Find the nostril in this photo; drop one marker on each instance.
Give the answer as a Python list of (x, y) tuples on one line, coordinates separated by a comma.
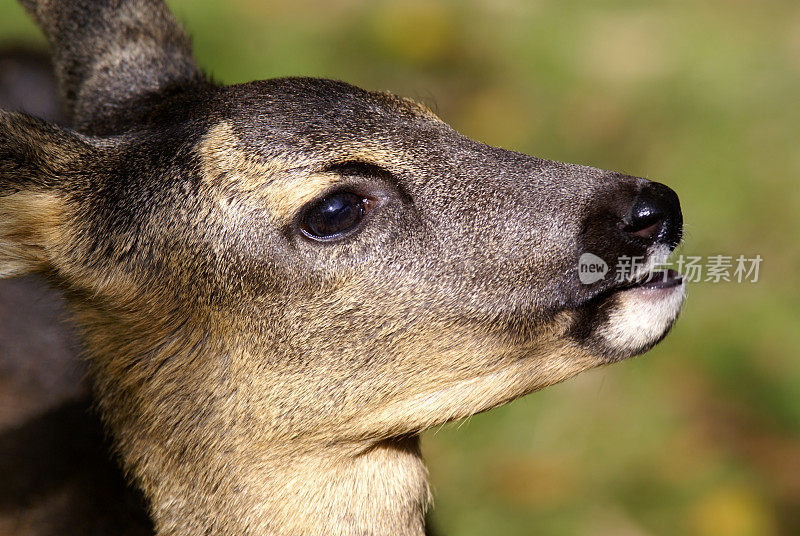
[(655, 216), (645, 221)]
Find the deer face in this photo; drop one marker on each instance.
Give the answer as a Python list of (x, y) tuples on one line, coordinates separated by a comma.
[(348, 255), (418, 275)]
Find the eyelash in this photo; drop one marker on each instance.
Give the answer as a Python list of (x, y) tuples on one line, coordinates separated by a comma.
[(358, 168)]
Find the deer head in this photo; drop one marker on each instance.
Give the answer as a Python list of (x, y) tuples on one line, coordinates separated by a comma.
[(282, 283)]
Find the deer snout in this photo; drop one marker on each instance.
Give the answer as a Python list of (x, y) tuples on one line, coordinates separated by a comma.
[(655, 216), (632, 301)]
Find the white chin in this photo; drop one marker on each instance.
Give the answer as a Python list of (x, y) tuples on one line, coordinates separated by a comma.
[(640, 318)]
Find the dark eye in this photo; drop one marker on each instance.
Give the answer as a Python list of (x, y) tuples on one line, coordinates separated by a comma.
[(335, 215)]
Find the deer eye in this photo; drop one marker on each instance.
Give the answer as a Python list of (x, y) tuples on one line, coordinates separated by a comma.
[(335, 215)]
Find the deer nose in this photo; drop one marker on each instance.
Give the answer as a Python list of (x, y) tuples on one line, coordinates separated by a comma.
[(655, 216)]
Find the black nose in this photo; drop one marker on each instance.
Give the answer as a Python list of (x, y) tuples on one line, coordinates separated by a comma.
[(655, 216)]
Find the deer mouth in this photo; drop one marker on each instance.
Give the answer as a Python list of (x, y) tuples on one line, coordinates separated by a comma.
[(647, 281), (654, 280), (638, 315), (630, 317)]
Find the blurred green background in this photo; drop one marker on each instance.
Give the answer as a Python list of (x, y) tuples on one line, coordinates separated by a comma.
[(701, 436)]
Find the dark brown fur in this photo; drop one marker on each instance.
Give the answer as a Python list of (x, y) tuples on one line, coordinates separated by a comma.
[(257, 381), (57, 476)]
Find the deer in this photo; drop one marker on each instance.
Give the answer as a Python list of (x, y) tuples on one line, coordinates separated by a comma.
[(281, 284)]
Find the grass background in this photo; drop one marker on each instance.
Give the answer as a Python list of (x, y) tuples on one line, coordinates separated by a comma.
[(702, 436)]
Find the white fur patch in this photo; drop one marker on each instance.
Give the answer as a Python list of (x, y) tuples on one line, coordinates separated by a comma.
[(641, 317)]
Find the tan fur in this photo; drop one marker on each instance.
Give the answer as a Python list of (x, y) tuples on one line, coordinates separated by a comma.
[(230, 168), (30, 225)]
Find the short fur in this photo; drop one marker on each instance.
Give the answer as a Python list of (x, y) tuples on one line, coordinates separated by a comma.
[(255, 381)]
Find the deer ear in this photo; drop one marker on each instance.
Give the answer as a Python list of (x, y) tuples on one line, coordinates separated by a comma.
[(38, 164)]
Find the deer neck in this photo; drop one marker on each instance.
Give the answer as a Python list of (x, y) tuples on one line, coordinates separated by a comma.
[(379, 491), (208, 465)]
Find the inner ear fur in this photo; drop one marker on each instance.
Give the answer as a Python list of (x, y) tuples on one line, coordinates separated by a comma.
[(38, 164)]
